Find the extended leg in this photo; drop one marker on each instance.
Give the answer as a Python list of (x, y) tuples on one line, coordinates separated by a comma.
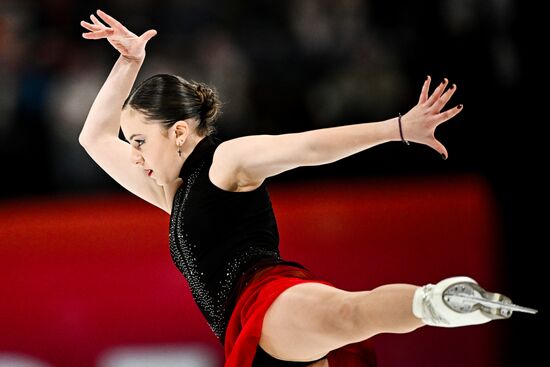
[(309, 320)]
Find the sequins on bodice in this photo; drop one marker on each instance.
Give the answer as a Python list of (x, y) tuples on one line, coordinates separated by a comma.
[(215, 235)]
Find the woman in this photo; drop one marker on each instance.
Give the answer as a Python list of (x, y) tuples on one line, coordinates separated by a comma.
[(266, 311)]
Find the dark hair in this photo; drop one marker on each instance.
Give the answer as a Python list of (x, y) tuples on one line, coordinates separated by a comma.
[(166, 99)]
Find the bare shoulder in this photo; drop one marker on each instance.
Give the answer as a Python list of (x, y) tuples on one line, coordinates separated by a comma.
[(225, 172)]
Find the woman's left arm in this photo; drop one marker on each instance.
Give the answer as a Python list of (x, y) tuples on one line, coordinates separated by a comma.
[(257, 157)]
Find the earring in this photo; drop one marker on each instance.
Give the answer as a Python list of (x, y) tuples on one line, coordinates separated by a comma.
[(179, 151)]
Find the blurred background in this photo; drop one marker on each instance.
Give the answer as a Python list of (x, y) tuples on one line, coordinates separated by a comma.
[(291, 66)]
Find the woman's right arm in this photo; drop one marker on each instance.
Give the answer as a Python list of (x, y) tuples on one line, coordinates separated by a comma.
[(104, 116), (99, 136)]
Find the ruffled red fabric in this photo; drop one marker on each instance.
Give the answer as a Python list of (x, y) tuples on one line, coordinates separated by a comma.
[(245, 324)]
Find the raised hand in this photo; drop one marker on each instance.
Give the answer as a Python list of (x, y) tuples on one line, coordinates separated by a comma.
[(127, 43), (420, 122)]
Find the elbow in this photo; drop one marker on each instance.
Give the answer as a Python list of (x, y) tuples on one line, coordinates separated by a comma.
[(87, 137), (83, 140)]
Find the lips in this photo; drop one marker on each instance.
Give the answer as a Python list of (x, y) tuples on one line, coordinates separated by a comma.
[(149, 172)]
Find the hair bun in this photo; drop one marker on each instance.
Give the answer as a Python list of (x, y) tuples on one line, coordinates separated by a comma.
[(209, 101)]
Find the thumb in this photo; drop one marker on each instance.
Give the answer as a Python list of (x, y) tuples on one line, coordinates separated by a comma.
[(437, 146), (148, 35)]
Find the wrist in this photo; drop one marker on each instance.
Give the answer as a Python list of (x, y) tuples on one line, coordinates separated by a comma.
[(400, 124), (391, 129), (133, 60)]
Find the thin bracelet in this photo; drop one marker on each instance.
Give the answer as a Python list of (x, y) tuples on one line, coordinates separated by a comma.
[(401, 131)]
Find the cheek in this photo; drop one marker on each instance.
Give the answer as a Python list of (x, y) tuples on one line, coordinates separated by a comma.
[(162, 156), (165, 153)]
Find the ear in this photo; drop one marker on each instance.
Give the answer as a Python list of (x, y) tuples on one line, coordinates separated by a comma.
[(180, 130)]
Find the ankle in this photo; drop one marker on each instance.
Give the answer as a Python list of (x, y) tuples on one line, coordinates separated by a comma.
[(422, 306)]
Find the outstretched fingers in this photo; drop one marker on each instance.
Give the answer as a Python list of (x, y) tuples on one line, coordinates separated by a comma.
[(443, 99), (95, 35), (438, 147), (425, 89), (97, 29), (145, 37), (96, 21), (437, 92), (89, 26), (112, 22), (447, 115)]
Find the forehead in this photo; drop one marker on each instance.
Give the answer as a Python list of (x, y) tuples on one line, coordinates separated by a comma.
[(135, 122), (131, 118)]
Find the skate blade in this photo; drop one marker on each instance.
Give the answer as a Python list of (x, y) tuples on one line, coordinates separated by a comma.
[(467, 297)]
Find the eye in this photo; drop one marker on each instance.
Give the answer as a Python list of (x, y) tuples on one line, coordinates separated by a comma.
[(139, 142)]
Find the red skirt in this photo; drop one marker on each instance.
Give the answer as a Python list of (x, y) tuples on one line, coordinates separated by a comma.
[(245, 324)]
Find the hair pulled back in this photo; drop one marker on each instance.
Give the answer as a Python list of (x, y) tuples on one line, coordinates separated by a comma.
[(166, 99)]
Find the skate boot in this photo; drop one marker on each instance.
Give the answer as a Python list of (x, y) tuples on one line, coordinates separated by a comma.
[(460, 301)]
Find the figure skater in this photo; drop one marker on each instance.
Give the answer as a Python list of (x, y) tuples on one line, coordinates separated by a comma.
[(266, 311)]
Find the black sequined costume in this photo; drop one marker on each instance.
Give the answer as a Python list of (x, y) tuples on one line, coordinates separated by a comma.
[(218, 237)]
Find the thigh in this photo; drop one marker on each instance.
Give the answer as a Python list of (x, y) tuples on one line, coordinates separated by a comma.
[(307, 321)]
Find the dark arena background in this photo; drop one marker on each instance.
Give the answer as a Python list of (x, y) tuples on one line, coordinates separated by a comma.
[(86, 277)]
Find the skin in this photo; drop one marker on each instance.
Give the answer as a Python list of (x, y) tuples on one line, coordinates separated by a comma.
[(156, 148), (306, 321), (248, 159)]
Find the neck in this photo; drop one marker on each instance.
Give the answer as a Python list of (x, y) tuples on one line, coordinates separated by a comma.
[(189, 145)]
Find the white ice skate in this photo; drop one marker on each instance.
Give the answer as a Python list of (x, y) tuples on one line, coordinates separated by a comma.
[(460, 301)]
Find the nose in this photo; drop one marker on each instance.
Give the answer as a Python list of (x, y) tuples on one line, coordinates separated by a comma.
[(136, 156)]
